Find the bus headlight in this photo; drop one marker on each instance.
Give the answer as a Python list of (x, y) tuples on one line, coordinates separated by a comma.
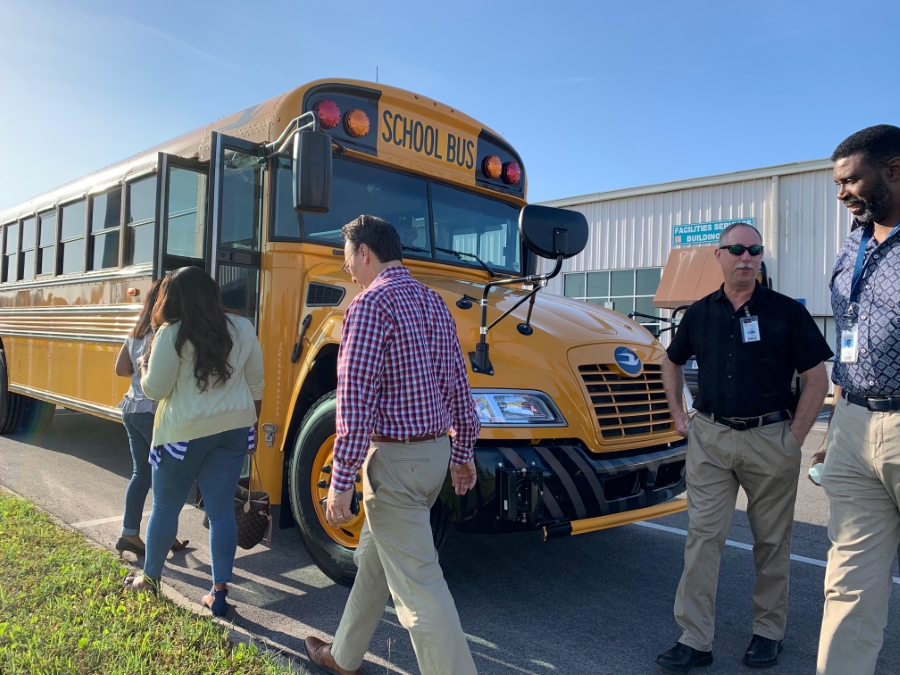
[(516, 407)]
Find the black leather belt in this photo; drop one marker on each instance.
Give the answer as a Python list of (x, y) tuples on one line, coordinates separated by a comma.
[(874, 403), (377, 438), (744, 423)]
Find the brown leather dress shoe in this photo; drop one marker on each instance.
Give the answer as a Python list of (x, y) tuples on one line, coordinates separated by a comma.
[(320, 653)]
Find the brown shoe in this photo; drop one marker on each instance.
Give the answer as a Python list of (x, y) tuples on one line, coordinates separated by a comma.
[(320, 653)]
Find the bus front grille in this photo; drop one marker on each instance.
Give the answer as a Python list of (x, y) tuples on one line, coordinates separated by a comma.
[(627, 406)]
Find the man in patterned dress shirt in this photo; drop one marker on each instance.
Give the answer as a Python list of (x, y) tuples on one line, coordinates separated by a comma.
[(404, 412), (862, 458)]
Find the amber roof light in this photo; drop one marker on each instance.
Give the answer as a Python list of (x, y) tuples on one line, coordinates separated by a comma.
[(492, 167), (356, 123), (328, 112)]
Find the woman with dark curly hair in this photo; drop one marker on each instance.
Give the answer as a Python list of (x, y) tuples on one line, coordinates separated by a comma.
[(205, 368)]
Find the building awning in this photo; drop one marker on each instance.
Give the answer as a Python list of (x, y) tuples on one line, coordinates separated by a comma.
[(689, 274)]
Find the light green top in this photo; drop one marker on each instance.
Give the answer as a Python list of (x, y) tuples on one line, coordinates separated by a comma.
[(186, 413)]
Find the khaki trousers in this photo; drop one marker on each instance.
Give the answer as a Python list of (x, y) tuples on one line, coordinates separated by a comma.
[(396, 557), (862, 480), (765, 461)]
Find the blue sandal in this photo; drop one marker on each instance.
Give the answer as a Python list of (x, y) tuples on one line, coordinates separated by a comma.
[(218, 606)]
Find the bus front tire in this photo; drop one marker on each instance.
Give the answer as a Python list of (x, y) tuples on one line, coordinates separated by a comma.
[(326, 546)]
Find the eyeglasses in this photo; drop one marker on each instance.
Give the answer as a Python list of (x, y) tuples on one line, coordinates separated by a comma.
[(738, 249), (345, 268)]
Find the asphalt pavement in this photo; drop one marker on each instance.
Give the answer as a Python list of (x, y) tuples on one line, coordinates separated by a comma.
[(595, 604)]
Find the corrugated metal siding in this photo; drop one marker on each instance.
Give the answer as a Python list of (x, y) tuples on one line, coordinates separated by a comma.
[(637, 231), (813, 226)]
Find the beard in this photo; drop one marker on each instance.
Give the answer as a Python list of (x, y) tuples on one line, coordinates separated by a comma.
[(877, 205)]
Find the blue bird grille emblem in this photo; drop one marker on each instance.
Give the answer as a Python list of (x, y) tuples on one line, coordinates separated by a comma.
[(627, 361)]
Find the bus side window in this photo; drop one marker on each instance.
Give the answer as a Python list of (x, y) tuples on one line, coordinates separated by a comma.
[(140, 221), (10, 251), (105, 214), (26, 261), (287, 220), (71, 238), (46, 242)]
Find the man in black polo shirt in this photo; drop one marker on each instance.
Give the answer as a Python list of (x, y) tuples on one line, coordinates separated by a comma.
[(747, 432)]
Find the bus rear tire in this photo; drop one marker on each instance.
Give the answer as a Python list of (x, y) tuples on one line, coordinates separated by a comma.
[(20, 413), (332, 550)]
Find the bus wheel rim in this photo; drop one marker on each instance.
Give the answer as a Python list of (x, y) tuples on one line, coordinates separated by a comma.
[(348, 534)]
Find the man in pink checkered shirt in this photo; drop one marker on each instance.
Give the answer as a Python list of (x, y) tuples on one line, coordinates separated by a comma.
[(404, 412)]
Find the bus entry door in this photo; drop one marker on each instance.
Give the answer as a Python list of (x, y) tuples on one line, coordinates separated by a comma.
[(182, 238), (235, 222)]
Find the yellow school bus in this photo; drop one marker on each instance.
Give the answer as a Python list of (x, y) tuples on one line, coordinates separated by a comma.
[(576, 435)]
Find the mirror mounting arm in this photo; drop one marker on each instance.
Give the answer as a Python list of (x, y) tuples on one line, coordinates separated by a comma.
[(480, 360), (308, 121)]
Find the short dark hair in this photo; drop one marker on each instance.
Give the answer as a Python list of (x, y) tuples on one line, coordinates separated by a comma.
[(728, 229), (376, 233), (877, 145)]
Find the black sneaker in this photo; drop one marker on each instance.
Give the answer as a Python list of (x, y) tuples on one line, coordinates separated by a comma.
[(762, 652), (682, 658)]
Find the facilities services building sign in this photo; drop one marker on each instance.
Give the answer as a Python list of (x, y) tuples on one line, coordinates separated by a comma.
[(703, 234)]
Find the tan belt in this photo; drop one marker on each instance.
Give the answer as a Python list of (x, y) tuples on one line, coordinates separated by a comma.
[(377, 438)]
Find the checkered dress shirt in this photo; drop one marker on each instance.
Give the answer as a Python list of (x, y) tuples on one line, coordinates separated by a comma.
[(401, 374), (877, 370)]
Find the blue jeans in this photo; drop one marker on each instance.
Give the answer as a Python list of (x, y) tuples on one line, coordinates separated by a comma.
[(140, 432), (215, 462)]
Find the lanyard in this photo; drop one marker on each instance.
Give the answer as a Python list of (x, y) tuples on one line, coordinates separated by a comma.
[(856, 282)]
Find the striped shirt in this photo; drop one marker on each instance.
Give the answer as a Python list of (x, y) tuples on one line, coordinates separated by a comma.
[(179, 450), (401, 374)]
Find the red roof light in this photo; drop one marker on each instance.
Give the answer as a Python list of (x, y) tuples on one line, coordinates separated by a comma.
[(512, 173), (328, 112)]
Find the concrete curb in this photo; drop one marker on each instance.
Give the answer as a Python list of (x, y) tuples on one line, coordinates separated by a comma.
[(235, 634)]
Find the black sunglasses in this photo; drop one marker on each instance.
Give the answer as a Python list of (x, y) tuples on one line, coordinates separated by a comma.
[(738, 249)]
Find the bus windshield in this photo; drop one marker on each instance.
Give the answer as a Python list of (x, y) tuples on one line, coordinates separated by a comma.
[(462, 221)]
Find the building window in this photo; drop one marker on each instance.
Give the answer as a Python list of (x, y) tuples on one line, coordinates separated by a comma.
[(105, 216), (26, 259), (71, 238), (140, 221), (10, 251), (624, 291), (46, 242)]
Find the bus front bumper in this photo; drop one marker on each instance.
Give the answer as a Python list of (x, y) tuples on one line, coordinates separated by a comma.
[(564, 490)]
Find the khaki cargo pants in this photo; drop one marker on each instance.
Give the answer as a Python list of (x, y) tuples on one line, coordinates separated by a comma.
[(862, 480), (396, 558), (765, 461)]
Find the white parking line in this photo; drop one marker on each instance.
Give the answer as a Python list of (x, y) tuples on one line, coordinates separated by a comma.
[(740, 545)]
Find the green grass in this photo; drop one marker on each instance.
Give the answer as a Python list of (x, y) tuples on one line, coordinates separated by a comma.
[(63, 611)]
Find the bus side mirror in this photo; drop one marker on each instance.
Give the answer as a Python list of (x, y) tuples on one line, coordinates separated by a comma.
[(312, 171), (553, 233), (763, 276)]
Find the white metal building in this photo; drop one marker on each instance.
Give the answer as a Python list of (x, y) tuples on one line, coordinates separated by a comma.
[(632, 231)]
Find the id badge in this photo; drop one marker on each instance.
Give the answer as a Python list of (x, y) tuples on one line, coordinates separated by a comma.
[(850, 344), (750, 329)]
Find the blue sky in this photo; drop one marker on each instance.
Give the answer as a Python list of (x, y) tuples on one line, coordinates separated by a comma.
[(594, 95)]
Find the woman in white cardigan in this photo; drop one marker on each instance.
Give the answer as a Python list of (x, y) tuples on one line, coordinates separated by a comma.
[(205, 368)]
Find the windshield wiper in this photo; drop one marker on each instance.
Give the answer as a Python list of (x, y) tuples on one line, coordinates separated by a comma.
[(416, 249), (460, 254)]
